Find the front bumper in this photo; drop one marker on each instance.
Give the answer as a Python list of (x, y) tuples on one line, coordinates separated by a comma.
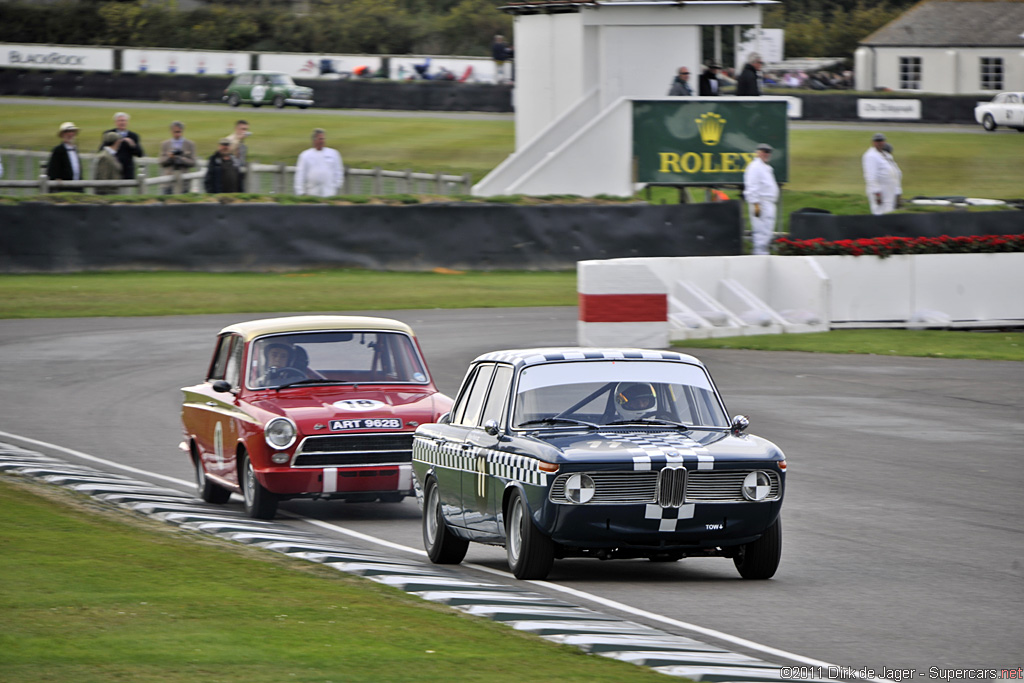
[(651, 527), (336, 482)]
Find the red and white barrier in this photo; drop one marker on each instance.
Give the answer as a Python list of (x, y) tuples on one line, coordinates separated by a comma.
[(621, 304)]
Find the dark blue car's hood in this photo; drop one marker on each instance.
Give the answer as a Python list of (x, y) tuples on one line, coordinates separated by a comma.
[(609, 445)]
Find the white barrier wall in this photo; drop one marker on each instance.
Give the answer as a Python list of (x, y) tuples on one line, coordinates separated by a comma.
[(58, 57), (299, 65), (183, 62), (799, 293)]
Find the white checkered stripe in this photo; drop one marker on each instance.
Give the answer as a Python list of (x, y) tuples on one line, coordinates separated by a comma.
[(668, 518), (670, 448), (501, 465)]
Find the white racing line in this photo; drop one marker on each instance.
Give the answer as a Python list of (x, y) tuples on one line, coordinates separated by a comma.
[(590, 597)]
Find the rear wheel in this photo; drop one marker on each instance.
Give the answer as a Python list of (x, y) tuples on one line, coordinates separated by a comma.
[(234, 100), (259, 502), (530, 553), (206, 489), (759, 559), (988, 123), (443, 547)]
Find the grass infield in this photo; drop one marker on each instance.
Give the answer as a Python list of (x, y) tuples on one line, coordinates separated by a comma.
[(91, 593)]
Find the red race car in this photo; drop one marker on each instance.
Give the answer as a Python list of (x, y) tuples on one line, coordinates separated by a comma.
[(309, 407)]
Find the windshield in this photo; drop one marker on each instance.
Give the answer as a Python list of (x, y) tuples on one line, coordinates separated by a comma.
[(334, 357), (281, 79), (616, 392)]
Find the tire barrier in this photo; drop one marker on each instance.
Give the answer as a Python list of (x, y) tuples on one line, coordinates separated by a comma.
[(329, 94), (38, 237)]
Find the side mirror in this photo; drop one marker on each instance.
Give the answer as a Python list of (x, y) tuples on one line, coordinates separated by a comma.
[(739, 424), (222, 386), (445, 419), (491, 427)]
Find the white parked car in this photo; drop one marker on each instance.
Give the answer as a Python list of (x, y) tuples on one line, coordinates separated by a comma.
[(1005, 109)]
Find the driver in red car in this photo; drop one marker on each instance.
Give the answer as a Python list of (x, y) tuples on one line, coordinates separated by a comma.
[(280, 364)]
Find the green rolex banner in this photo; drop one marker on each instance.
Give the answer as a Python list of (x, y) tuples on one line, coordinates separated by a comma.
[(706, 141)]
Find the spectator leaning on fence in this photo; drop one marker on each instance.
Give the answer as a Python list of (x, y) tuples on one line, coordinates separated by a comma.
[(221, 173), (319, 170), (176, 155), (64, 163), (129, 149), (108, 167)]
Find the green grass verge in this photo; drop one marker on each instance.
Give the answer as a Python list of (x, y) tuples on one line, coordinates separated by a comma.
[(176, 293), (925, 343), (93, 594)]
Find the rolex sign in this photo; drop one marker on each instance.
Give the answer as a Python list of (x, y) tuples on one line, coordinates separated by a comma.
[(706, 141)]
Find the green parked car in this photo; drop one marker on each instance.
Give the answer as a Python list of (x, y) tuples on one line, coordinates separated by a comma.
[(267, 87)]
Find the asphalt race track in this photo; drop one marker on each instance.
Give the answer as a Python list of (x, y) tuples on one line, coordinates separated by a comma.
[(903, 534)]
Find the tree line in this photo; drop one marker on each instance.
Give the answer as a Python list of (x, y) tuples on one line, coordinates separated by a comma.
[(814, 28)]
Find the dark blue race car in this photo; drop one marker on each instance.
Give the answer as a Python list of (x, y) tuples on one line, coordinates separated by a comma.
[(607, 453)]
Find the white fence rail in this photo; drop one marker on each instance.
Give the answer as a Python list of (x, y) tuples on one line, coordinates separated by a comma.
[(25, 174)]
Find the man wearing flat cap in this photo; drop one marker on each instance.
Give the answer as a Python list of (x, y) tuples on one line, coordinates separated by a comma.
[(64, 163), (882, 177), (221, 172), (761, 192)]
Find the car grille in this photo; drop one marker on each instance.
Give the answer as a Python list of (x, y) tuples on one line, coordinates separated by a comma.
[(668, 487), (611, 488), (724, 487), (354, 450)]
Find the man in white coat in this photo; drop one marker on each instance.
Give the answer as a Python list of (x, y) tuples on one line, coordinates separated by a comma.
[(882, 177), (319, 171), (761, 192)]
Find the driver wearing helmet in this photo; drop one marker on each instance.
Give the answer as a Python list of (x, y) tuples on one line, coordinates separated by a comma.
[(277, 355), (277, 367), (635, 400)]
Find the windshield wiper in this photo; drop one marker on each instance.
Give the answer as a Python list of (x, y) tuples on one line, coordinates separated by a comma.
[(314, 380), (650, 421), (556, 420)]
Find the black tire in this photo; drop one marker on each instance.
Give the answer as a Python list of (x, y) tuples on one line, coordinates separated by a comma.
[(759, 559), (259, 502), (206, 489), (443, 547), (279, 102), (530, 553), (234, 100), (988, 123)]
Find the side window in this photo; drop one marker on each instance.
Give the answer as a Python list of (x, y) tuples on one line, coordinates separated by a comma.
[(220, 357), (498, 397), (469, 416), (234, 368)]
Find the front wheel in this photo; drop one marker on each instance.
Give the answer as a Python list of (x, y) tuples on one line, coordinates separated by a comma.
[(206, 489), (443, 547), (259, 502), (759, 559), (279, 102), (530, 553), (988, 123)]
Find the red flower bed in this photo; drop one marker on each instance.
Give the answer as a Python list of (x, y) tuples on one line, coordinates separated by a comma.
[(887, 246)]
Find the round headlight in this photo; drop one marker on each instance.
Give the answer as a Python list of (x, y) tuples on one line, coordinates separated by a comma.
[(280, 432), (757, 486), (579, 488)]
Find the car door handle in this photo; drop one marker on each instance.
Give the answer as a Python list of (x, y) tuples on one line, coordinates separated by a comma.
[(212, 404)]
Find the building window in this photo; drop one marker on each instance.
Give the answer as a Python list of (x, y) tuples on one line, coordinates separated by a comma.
[(910, 73), (991, 73)]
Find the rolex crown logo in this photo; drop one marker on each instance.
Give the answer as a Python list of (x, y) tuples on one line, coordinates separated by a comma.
[(711, 126)]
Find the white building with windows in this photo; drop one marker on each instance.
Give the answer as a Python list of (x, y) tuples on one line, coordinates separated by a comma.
[(946, 47)]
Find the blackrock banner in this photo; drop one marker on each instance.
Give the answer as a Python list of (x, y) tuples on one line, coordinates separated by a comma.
[(706, 141), (56, 57)]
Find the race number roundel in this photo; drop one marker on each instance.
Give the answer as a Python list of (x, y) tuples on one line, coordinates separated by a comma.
[(258, 92), (359, 405)]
